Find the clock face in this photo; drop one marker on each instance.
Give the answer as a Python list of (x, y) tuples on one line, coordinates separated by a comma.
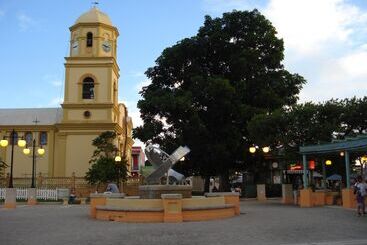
[(106, 46), (74, 47)]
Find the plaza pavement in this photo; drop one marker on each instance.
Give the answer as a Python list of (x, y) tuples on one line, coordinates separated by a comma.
[(259, 223)]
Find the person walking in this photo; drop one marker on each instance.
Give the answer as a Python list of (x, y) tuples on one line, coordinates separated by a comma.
[(360, 190)]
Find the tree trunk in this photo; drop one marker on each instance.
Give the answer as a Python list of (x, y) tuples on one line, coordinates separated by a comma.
[(206, 183), (224, 182)]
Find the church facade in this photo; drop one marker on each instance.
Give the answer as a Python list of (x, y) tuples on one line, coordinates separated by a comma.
[(90, 106)]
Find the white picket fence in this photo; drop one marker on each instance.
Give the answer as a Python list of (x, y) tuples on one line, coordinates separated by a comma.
[(22, 193)]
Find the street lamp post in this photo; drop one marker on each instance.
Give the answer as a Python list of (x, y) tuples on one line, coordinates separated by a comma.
[(252, 149), (40, 152), (260, 188), (4, 143)]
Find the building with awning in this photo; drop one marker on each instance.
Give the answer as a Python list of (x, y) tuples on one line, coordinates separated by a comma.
[(347, 146)]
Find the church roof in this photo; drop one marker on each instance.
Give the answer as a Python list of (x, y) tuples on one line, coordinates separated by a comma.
[(94, 15), (45, 116)]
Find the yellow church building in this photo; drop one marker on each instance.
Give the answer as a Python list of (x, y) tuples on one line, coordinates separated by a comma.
[(90, 106)]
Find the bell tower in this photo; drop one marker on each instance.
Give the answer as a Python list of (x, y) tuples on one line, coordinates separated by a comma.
[(91, 70), (90, 104)]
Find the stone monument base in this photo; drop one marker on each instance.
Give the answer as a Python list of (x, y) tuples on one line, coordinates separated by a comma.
[(155, 191)]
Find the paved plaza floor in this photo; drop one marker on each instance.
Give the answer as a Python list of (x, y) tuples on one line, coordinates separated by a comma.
[(259, 223)]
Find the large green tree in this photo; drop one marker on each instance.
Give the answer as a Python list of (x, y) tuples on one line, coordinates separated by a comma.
[(206, 88), (289, 128), (103, 166), (354, 117)]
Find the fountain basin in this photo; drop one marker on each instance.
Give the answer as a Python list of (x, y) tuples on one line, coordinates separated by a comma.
[(155, 191), (169, 208)]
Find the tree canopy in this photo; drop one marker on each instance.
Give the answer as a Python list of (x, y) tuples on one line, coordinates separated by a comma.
[(103, 166), (309, 123), (206, 88)]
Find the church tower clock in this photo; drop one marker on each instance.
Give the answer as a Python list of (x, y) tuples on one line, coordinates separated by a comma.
[(91, 94), (91, 70)]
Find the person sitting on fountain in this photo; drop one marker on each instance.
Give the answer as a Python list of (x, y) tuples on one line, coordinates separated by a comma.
[(72, 197), (112, 187)]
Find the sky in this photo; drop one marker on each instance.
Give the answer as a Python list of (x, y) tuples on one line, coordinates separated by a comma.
[(325, 42)]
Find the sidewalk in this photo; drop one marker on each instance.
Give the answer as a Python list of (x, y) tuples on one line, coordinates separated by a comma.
[(260, 223)]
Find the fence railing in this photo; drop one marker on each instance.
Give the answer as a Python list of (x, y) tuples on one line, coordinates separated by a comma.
[(81, 186), (2, 193), (22, 194), (46, 182)]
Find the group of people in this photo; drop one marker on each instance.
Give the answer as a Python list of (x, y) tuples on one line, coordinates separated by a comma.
[(360, 190)]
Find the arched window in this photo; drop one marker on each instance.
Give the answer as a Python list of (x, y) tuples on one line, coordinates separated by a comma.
[(88, 88), (89, 39), (15, 137), (28, 138), (43, 138)]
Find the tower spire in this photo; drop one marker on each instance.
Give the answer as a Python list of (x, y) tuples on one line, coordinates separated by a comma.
[(94, 4)]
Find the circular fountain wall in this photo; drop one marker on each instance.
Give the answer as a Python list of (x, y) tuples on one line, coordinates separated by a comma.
[(155, 191)]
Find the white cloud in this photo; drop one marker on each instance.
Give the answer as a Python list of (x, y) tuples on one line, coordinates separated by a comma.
[(354, 64), (128, 103), (53, 79), (136, 74), (56, 102), (25, 22), (337, 77), (307, 26), (325, 43), (139, 143), (142, 84), (220, 6), (56, 83), (133, 112), (137, 121)]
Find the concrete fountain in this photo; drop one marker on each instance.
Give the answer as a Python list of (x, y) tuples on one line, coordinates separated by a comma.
[(165, 203)]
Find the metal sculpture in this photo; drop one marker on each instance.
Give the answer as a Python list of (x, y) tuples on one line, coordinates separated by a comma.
[(162, 162)]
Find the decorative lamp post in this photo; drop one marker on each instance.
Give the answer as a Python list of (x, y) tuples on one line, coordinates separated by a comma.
[(252, 149), (118, 158), (266, 149), (4, 143), (328, 162), (40, 152)]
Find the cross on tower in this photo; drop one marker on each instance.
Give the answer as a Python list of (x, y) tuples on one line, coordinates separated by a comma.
[(95, 3), (35, 121)]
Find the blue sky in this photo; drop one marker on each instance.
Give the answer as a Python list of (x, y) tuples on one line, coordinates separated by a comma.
[(325, 41)]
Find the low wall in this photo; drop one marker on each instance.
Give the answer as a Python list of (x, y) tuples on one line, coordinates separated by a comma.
[(349, 199), (135, 203), (100, 199), (308, 198), (202, 202), (156, 191), (169, 208)]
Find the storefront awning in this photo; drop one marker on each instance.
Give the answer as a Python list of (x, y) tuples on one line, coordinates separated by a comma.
[(294, 171)]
